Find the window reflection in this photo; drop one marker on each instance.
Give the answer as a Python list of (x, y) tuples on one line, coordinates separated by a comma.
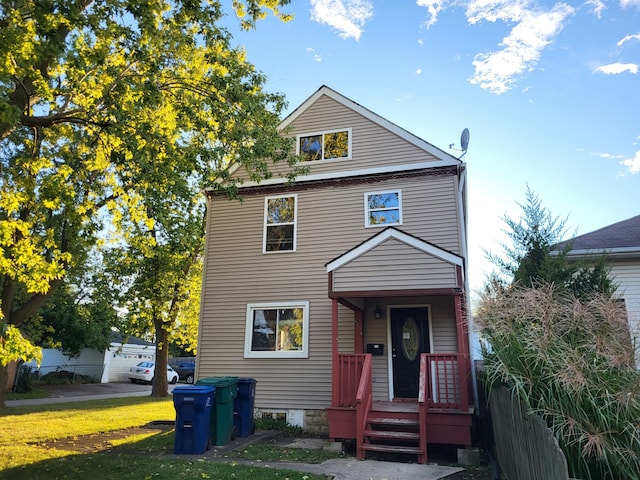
[(324, 146), (277, 330)]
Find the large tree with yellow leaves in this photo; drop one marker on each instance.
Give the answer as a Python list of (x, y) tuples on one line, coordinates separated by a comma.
[(113, 115)]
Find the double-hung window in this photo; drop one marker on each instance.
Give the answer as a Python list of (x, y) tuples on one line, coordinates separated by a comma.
[(383, 208), (277, 330), (280, 224), (325, 145)]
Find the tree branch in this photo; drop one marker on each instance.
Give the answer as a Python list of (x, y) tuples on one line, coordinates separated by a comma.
[(32, 306)]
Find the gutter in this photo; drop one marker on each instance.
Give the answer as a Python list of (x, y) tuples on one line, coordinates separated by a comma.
[(611, 253)]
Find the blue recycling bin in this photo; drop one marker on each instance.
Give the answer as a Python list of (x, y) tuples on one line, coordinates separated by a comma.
[(243, 406), (193, 406)]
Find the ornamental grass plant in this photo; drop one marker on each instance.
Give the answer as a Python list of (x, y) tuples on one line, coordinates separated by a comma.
[(571, 361)]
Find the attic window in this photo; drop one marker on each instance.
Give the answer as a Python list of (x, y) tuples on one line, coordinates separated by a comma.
[(325, 145), (383, 208)]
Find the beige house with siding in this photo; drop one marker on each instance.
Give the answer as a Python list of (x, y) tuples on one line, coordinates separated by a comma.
[(344, 294)]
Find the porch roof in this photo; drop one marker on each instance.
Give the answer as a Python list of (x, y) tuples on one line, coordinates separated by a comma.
[(394, 233)]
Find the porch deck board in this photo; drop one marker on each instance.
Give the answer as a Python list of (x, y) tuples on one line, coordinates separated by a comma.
[(397, 407)]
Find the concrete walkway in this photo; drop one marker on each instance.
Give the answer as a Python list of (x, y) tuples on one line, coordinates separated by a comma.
[(338, 469), (354, 469)]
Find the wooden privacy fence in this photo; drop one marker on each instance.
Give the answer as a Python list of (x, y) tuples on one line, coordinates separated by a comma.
[(526, 448)]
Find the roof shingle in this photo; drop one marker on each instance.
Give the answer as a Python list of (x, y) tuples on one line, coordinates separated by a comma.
[(624, 234)]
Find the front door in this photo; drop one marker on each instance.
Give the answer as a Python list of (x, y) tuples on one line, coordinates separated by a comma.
[(409, 338)]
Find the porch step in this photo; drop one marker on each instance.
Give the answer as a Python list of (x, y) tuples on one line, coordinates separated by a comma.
[(393, 431), (378, 447), (394, 422), (392, 435)]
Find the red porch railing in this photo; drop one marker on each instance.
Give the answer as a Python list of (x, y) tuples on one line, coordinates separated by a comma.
[(446, 380), (422, 409), (349, 376), (443, 376), (364, 400)]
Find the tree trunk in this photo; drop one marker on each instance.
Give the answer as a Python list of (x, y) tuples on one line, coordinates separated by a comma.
[(4, 377), (160, 384)]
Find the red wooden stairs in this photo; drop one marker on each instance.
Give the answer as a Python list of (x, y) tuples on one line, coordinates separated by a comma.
[(393, 428)]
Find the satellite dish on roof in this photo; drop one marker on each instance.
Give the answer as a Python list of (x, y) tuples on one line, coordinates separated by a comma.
[(464, 143), (464, 139)]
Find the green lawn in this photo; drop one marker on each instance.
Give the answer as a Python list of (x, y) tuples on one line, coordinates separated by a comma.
[(60, 442)]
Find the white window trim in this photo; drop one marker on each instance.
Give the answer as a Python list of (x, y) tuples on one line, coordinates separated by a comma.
[(295, 223), (366, 208), (248, 336), (323, 133)]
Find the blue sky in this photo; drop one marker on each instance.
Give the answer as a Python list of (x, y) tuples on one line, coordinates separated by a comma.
[(550, 92)]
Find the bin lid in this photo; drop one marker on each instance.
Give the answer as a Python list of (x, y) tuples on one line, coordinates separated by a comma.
[(246, 380), (218, 381), (194, 390)]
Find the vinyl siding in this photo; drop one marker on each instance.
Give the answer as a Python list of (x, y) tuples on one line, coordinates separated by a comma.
[(330, 221), (397, 266), (371, 144), (442, 329), (627, 274)]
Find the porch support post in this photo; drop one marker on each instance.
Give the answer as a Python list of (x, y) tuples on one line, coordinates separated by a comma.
[(335, 367), (359, 331), (464, 368)]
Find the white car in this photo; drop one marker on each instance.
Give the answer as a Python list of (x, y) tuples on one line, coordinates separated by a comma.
[(143, 373)]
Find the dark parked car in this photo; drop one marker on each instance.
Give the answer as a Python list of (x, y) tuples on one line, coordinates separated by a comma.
[(186, 370)]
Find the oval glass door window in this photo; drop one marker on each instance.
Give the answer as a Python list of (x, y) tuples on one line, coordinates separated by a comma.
[(410, 339)]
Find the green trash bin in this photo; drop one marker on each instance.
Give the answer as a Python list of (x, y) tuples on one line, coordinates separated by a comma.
[(221, 428)]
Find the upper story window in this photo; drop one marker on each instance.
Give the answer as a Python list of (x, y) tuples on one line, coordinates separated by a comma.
[(383, 208), (280, 224), (277, 330), (325, 145)]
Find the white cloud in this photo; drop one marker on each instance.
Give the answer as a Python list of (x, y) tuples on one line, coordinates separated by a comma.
[(492, 10), (316, 56), (629, 3), (617, 68), (628, 38), (419, 71), (348, 17), (533, 31), (609, 155), (434, 7), (598, 7), (633, 164)]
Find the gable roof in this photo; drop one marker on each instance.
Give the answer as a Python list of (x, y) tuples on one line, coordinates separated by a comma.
[(446, 158), (117, 337), (392, 232), (621, 238)]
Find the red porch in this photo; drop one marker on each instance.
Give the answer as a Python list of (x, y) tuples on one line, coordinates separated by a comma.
[(441, 414)]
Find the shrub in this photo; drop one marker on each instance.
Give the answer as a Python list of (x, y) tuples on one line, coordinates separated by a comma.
[(571, 361)]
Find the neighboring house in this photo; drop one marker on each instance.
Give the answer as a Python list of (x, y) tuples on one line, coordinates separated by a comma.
[(110, 365), (120, 357), (344, 294), (620, 242)]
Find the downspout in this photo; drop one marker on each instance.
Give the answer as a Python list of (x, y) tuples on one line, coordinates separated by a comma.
[(462, 215)]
